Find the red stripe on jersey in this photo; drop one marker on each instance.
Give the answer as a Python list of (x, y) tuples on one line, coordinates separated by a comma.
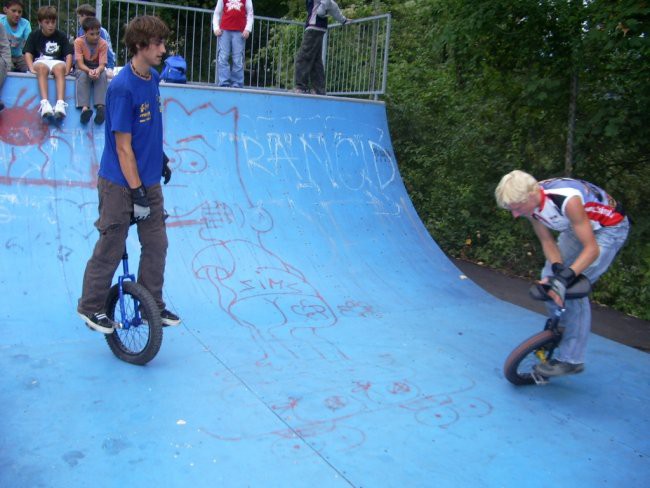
[(604, 214), (542, 199)]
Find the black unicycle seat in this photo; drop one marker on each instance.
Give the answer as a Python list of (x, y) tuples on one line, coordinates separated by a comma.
[(580, 288)]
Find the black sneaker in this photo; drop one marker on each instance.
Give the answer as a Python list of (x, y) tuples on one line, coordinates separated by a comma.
[(558, 368), (85, 116), (169, 318), (99, 322), (100, 115)]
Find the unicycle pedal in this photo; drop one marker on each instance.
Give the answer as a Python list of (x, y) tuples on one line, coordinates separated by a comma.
[(538, 378)]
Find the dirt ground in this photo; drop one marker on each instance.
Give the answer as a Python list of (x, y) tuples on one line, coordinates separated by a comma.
[(606, 322)]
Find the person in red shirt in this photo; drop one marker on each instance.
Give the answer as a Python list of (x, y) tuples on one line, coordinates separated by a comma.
[(232, 23)]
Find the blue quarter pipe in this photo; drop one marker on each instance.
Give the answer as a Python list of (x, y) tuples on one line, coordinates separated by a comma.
[(326, 339)]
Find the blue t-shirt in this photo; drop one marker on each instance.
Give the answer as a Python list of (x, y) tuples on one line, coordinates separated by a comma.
[(133, 106), (18, 36)]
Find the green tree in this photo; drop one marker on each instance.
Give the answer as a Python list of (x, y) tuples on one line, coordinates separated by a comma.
[(483, 87)]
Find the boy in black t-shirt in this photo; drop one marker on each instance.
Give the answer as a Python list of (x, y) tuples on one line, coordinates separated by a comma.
[(48, 50)]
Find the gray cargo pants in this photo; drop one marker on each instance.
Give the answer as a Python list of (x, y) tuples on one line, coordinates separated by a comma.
[(115, 208), (85, 83)]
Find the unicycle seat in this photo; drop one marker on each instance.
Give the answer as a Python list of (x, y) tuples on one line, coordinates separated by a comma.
[(580, 288)]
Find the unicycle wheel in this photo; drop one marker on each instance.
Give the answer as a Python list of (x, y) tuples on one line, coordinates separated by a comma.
[(518, 368), (137, 341)]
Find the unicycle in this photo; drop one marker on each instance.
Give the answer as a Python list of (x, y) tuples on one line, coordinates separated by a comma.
[(519, 366), (138, 336)]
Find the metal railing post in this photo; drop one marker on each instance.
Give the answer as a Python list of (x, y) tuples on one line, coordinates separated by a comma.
[(355, 56)]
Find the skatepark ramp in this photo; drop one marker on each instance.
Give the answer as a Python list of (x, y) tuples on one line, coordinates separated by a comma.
[(326, 339)]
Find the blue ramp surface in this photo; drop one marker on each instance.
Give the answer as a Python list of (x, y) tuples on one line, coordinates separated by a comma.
[(326, 339)]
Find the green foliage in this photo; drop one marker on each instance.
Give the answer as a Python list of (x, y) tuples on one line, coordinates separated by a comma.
[(483, 87), (276, 57)]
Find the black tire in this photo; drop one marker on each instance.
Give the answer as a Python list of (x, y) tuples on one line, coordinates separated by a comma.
[(519, 364), (139, 343)]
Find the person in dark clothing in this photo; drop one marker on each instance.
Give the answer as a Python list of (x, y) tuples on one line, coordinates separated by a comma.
[(310, 71)]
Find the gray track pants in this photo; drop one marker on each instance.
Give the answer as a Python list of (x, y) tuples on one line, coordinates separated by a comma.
[(85, 84)]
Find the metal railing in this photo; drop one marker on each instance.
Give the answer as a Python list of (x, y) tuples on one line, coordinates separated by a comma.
[(355, 55)]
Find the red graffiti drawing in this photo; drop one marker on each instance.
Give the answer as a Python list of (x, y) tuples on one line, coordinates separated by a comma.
[(323, 422), (30, 143), (260, 291)]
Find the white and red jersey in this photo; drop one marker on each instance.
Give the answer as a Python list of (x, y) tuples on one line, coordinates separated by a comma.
[(601, 208)]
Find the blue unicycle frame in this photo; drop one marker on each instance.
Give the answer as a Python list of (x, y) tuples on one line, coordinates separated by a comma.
[(138, 336), (137, 318)]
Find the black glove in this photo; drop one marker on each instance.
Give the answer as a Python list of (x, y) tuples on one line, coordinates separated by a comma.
[(563, 277), (141, 208), (166, 172)]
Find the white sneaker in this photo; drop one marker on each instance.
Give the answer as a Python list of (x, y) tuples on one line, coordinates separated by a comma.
[(45, 109), (59, 109)]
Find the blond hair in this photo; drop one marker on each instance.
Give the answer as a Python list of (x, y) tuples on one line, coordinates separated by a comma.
[(515, 187)]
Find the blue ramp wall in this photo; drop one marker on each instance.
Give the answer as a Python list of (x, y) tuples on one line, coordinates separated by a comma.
[(326, 339)]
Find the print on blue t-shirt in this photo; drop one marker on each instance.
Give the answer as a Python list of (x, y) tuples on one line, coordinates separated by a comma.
[(133, 107)]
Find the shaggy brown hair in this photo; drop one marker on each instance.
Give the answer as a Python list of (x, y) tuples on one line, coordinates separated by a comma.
[(86, 9), (46, 12), (90, 23), (142, 31)]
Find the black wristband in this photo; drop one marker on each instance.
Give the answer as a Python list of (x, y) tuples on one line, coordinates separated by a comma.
[(557, 268), (567, 275)]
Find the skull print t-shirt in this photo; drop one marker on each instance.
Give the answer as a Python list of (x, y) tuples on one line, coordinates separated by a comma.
[(55, 47)]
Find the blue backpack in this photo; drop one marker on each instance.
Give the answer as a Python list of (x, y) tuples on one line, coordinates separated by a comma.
[(174, 70)]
